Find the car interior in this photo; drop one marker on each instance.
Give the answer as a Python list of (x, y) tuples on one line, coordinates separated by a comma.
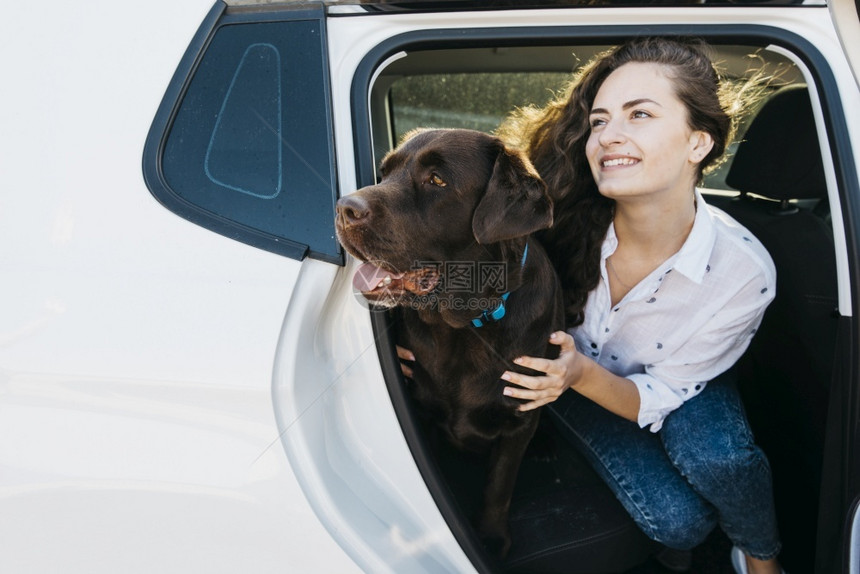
[(563, 518)]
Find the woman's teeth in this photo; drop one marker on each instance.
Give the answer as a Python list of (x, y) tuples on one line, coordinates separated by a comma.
[(619, 161)]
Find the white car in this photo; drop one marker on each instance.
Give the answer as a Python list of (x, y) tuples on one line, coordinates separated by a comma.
[(188, 382)]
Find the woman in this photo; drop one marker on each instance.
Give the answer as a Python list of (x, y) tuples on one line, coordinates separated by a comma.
[(670, 292)]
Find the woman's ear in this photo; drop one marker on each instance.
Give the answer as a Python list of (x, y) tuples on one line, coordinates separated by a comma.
[(701, 144)]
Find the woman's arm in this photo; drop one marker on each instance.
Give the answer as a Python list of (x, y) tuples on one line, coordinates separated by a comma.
[(575, 371)]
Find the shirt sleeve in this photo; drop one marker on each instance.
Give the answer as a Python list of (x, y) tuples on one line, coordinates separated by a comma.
[(712, 350)]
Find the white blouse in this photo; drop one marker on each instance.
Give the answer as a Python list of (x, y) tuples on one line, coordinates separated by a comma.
[(686, 322)]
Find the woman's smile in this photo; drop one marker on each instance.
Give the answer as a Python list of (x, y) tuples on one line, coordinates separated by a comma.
[(614, 161)]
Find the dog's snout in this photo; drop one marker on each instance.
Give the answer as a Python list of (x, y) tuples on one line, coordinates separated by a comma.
[(353, 209)]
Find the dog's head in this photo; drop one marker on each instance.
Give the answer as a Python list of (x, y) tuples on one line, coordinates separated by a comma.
[(444, 196)]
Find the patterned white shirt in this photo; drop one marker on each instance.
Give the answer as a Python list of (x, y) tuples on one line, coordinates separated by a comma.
[(686, 322)]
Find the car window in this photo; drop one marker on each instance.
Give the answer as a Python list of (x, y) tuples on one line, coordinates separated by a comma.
[(477, 101), (249, 150)]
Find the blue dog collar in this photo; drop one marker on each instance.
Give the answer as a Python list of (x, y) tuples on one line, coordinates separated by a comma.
[(496, 314)]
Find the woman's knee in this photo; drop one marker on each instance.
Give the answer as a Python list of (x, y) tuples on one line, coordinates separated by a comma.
[(680, 528), (723, 467)]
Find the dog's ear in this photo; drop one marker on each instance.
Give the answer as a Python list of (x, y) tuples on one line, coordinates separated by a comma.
[(515, 202)]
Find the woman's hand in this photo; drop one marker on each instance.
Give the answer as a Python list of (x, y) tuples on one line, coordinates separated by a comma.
[(405, 355), (559, 374)]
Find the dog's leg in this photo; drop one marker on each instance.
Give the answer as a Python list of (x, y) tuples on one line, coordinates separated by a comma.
[(504, 463)]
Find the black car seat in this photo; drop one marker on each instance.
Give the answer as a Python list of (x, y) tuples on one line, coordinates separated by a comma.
[(785, 374)]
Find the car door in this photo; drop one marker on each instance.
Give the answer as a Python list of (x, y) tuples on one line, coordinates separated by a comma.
[(840, 536), (805, 36)]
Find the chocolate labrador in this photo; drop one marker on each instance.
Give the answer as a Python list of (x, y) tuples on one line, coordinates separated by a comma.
[(445, 237)]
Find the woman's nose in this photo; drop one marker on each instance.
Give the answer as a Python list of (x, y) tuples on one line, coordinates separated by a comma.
[(611, 133)]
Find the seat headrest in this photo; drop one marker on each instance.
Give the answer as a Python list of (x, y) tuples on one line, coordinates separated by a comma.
[(779, 156)]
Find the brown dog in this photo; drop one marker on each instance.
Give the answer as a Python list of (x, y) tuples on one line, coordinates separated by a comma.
[(445, 238)]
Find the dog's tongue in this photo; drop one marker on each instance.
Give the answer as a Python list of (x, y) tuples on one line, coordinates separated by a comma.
[(368, 276)]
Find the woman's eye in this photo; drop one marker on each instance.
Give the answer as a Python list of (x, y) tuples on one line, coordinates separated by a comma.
[(597, 122), (436, 180), (641, 114)]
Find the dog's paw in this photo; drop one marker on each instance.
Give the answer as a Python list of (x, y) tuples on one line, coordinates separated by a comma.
[(542, 448), (497, 547), (496, 541)]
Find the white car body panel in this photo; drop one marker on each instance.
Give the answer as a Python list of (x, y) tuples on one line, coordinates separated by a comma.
[(352, 461), (136, 349)]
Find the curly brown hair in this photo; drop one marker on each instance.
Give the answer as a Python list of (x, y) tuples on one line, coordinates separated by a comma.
[(554, 139)]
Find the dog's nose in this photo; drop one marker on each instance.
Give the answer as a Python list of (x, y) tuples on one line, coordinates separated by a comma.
[(352, 209)]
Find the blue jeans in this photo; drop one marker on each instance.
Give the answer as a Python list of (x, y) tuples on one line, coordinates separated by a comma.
[(701, 469)]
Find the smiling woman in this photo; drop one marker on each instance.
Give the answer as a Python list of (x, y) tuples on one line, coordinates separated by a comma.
[(644, 156), (679, 291)]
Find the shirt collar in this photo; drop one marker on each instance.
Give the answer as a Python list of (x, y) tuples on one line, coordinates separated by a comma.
[(693, 257)]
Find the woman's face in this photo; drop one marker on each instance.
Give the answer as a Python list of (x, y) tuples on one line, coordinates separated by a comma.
[(641, 144)]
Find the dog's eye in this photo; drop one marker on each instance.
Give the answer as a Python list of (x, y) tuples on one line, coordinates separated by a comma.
[(436, 180)]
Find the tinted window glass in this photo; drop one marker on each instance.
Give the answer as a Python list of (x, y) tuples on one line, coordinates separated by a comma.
[(251, 142)]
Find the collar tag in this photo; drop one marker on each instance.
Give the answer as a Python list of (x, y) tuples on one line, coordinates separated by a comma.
[(488, 316)]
